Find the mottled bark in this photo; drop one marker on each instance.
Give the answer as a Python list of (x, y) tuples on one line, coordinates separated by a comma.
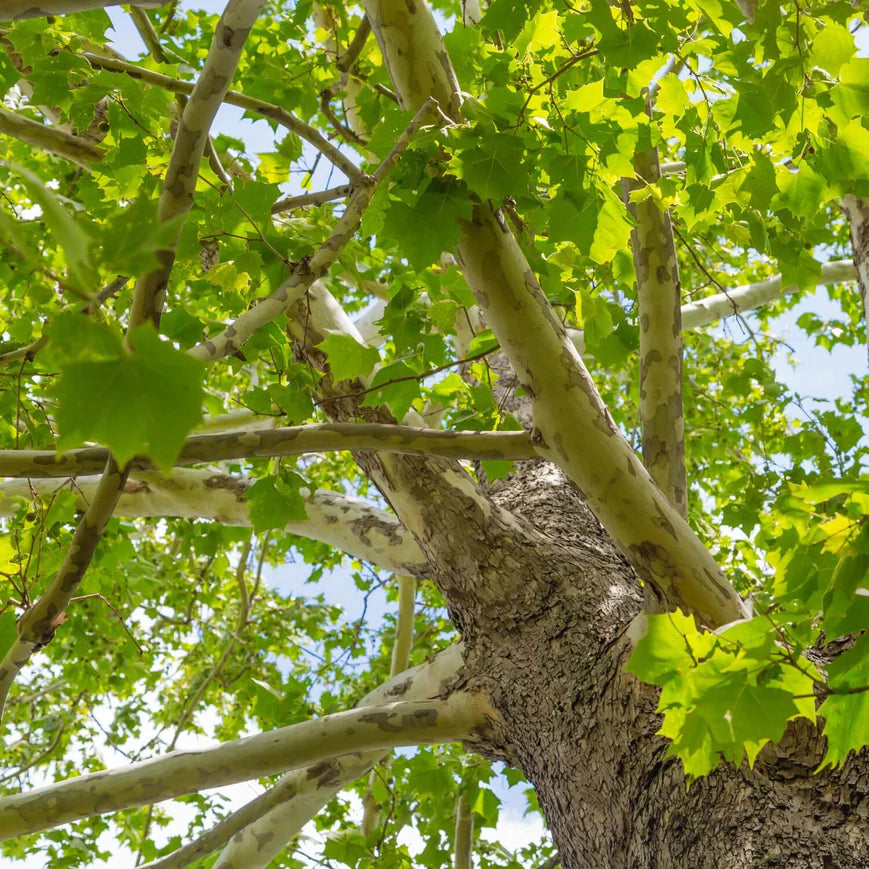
[(348, 524), (297, 440), (368, 728), (10, 10), (572, 424), (858, 217), (191, 138), (659, 297)]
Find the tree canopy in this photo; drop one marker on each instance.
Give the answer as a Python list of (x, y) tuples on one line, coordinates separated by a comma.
[(202, 348)]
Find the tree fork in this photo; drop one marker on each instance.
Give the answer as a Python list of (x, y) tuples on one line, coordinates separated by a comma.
[(576, 430)]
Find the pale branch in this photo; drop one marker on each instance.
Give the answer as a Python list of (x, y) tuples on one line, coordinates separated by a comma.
[(311, 268), (292, 441), (152, 42), (349, 524), (368, 728), (37, 625), (290, 203), (463, 839), (857, 211), (179, 185), (12, 10), (263, 840), (401, 647), (662, 419), (304, 792), (304, 787), (748, 296), (75, 148), (234, 98), (577, 432), (237, 420)]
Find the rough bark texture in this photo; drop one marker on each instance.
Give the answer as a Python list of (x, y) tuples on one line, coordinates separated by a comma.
[(583, 731)]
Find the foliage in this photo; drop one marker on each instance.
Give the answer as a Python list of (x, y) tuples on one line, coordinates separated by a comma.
[(769, 118)]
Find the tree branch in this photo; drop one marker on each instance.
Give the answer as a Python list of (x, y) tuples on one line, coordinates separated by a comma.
[(736, 301), (234, 98), (463, 839), (37, 625), (293, 441), (12, 10), (206, 97), (263, 840), (575, 426), (310, 269), (292, 202), (659, 299), (349, 524), (75, 148), (858, 218), (366, 729)]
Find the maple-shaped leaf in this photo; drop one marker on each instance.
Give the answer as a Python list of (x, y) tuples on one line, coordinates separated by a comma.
[(276, 500), (144, 398)]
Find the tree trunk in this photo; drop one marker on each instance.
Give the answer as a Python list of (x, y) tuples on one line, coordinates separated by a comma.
[(583, 730)]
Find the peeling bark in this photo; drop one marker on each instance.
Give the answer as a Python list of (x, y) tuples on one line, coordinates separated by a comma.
[(367, 728), (573, 425), (313, 438), (659, 299), (858, 217), (348, 524), (12, 10)]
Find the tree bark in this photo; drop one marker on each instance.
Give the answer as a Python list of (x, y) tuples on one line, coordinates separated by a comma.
[(583, 731)]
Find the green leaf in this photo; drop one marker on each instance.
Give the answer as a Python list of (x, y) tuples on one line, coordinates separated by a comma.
[(8, 631), (347, 357), (275, 501), (398, 396), (832, 48), (428, 227), (494, 168), (71, 237), (143, 400)]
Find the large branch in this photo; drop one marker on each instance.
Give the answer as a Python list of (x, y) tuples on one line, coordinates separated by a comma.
[(658, 301), (262, 841), (575, 427), (348, 524), (741, 299), (11, 10), (47, 138), (274, 817), (183, 772), (206, 97), (294, 441), (858, 216)]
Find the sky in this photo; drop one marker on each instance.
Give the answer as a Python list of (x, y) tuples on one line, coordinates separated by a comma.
[(817, 373)]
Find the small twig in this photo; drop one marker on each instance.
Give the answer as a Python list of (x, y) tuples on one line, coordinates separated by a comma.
[(421, 376), (346, 61), (118, 616), (292, 202)]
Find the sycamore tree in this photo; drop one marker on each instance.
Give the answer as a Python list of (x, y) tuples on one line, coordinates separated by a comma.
[(456, 337)]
